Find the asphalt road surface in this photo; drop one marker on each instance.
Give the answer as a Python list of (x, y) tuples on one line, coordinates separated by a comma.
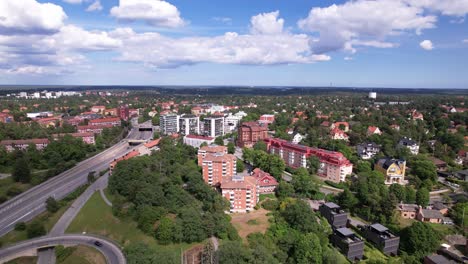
[(29, 204), (111, 251)]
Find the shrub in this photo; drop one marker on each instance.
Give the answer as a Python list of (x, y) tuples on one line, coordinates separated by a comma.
[(35, 229), (14, 190), (270, 205), (20, 226)]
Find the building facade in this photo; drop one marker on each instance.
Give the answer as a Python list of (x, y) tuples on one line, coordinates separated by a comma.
[(189, 125), (385, 240), (250, 133), (333, 165), (336, 217), (216, 164), (410, 144), (241, 192), (113, 121), (169, 124), (213, 126), (265, 182), (97, 129), (367, 150), (23, 144), (196, 141), (348, 243), (393, 170)]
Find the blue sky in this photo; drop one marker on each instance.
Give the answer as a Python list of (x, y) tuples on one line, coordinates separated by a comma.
[(368, 43)]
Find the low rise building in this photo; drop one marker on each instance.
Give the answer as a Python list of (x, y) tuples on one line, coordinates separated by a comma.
[(338, 134), (87, 137), (367, 150), (96, 129), (335, 216), (393, 170), (113, 121), (430, 216), (333, 165), (410, 144), (373, 130), (241, 192), (380, 236), (408, 211), (266, 119), (250, 133), (196, 141), (348, 243), (265, 182), (23, 144)]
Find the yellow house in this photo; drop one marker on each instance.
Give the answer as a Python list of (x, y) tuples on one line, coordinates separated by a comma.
[(393, 169)]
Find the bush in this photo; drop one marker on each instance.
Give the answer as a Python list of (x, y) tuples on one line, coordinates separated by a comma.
[(252, 222), (35, 229), (3, 198), (52, 205), (20, 226), (270, 205), (13, 191), (336, 185)]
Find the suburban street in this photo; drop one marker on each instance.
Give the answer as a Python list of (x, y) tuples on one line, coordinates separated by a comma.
[(111, 251), (29, 204)]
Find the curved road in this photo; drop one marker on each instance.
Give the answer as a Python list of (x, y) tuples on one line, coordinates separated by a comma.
[(111, 251), (29, 204)]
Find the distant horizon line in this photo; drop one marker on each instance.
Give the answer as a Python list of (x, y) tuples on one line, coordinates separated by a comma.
[(225, 86)]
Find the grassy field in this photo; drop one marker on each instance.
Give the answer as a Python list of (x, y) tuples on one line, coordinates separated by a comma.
[(266, 196), (96, 218), (83, 255), (256, 221), (23, 260)]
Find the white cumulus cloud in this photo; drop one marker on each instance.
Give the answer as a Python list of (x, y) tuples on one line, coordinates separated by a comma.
[(267, 23), (156, 50), (363, 22), (30, 17), (426, 44), (154, 12), (457, 8), (95, 6)]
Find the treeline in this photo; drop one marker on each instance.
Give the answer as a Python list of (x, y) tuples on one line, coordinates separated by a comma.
[(166, 195)]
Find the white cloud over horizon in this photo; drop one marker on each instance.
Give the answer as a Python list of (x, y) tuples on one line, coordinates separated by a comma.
[(153, 12), (95, 6)]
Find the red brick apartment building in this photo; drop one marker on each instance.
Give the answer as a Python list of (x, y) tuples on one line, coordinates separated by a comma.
[(87, 137), (333, 165), (97, 129), (216, 164), (241, 192), (250, 133), (114, 121), (23, 144)]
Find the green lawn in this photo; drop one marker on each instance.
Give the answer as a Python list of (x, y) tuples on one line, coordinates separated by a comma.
[(96, 218), (266, 196)]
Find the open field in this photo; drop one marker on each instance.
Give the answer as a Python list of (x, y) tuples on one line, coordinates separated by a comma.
[(258, 222), (96, 218)]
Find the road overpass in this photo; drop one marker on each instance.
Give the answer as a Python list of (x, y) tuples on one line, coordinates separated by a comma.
[(27, 205), (110, 250)]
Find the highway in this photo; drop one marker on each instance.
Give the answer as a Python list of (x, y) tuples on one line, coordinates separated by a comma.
[(29, 204), (111, 251)]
